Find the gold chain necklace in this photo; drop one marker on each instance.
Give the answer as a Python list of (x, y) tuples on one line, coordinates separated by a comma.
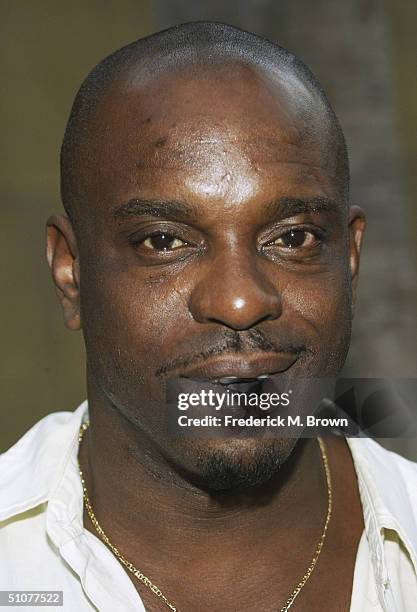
[(157, 591)]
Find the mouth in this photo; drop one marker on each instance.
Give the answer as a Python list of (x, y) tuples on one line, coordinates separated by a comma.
[(232, 369), (231, 380)]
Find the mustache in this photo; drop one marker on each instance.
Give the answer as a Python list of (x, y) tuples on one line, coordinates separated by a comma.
[(233, 342)]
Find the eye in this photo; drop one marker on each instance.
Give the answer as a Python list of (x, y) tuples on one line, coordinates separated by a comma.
[(163, 241), (296, 238)]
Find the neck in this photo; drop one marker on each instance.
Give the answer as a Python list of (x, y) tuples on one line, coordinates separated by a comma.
[(130, 484), (168, 527)]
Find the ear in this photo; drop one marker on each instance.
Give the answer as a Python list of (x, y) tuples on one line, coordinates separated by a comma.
[(62, 256), (357, 224)]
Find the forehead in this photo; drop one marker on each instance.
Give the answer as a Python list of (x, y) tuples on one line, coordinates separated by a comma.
[(226, 130)]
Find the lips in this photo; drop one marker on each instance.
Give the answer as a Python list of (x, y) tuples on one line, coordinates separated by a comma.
[(228, 369)]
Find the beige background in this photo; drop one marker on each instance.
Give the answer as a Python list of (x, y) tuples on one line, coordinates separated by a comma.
[(363, 53)]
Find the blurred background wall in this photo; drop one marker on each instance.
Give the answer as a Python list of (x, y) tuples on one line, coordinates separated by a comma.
[(363, 52)]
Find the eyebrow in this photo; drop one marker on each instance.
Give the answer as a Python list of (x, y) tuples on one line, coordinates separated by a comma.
[(288, 207), (155, 208), (283, 208)]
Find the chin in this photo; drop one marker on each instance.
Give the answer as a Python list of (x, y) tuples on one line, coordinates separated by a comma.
[(235, 464)]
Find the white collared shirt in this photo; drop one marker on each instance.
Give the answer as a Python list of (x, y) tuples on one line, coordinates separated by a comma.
[(44, 546)]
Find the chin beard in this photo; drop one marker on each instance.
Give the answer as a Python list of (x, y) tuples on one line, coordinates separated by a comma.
[(241, 466)]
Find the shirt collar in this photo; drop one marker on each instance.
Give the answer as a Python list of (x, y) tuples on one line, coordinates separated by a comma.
[(388, 489), (32, 469)]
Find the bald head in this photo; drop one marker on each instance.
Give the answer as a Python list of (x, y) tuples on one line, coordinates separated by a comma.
[(204, 62)]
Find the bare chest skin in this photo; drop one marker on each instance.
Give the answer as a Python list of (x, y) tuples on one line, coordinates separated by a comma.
[(263, 579)]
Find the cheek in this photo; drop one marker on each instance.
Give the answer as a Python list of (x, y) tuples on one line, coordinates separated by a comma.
[(128, 317), (321, 304)]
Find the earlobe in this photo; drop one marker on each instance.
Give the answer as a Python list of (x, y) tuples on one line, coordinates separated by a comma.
[(357, 224), (62, 257)]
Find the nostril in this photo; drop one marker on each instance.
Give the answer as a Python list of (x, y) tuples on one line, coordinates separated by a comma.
[(241, 321)]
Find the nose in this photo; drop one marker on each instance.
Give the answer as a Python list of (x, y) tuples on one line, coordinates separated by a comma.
[(235, 293)]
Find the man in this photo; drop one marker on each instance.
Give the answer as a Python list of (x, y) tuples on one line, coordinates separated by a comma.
[(208, 234)]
